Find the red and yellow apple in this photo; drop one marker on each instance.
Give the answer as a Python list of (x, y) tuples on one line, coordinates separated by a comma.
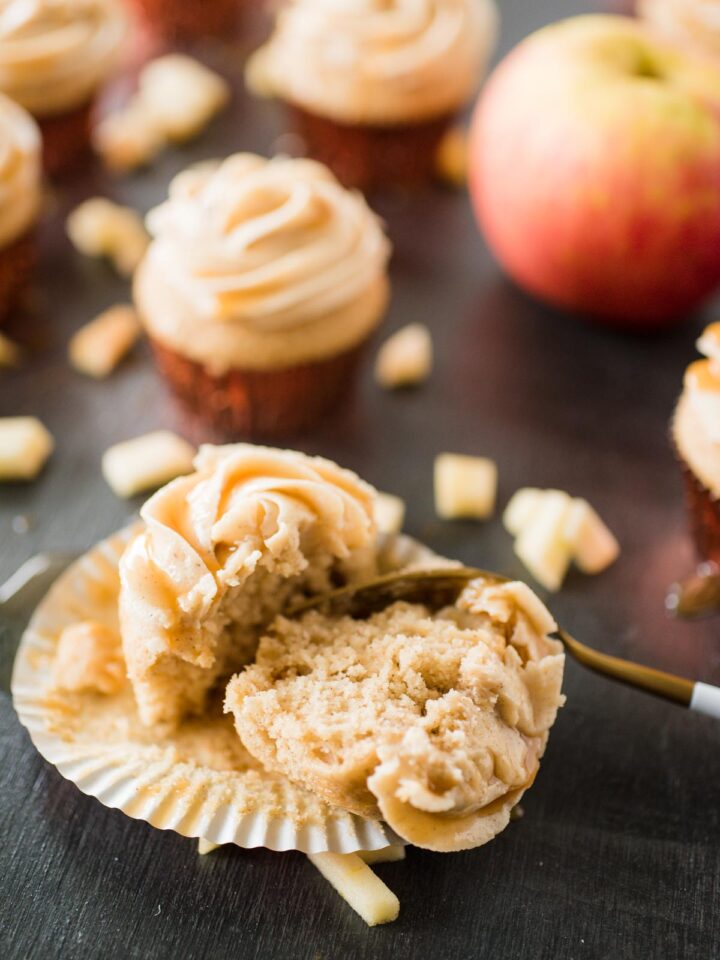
[(595, 170)]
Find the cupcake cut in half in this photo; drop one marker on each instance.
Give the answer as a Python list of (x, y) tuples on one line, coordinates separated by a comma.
[(373, 85), (20, 193), (221, 553), (263, 282), (54, 57), (435, 722)]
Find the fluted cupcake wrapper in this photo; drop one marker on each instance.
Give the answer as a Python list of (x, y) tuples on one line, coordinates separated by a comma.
[(366, 156), (178, 20), (17, 261), (65, 138), (260, 403), (98, 743), (703, 513)]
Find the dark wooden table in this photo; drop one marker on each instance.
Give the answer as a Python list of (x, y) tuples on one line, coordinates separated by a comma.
[(618, 854)]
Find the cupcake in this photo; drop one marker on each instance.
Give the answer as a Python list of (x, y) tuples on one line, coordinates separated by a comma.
[(179, 20), (694, 23), (261, 286), (696, 435), (54, 56), (372, 86), (434, 722), (20, 176), (222, 551)]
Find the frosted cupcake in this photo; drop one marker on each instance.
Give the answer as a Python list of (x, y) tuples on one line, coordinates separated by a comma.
[(372, 85), (694, 23), (20, 176), (222, 551), (696, 434), (54, 57), (264, 280)]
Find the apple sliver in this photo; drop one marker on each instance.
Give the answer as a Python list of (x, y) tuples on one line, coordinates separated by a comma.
[(542, 544)]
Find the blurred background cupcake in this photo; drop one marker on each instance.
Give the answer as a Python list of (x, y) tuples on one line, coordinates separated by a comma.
[(696, 434), (181, 20), (695, 23), (54, 57), (264, 280), (20, 177), (373, 85)]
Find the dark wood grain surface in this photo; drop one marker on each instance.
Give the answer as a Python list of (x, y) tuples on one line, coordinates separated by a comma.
[(618, 854)]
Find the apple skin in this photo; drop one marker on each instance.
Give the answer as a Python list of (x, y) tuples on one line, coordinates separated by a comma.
[(595, 171)]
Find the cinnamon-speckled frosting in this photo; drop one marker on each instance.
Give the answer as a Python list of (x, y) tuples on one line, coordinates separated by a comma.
[(55, 53), (262, 264), (381, 62), (19, 171), (696, 427), (245, 509)]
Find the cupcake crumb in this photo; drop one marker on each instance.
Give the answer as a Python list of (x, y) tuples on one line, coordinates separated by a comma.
[(89, 659)]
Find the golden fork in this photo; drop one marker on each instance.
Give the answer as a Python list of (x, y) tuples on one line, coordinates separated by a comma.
[(441, 586)]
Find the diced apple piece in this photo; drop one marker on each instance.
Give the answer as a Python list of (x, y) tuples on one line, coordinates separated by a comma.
[(390, 854), (146, 462), (181, 95), (389, 513), (128, 138), (464, 486), (25, 445), (593, 544), (406, 358), (521, 509), (89, 658), (541, 544), (98, 347), (100, 228), (10, 353), (363, 890), (206, 846), (452, 157)]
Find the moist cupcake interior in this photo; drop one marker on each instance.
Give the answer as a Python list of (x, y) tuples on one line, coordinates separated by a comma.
[(433, 721)]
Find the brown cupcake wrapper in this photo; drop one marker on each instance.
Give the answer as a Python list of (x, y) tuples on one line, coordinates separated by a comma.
[(260, 403), (366, 156), (17, 262), (703, 513), (65, 139), (178, 20)]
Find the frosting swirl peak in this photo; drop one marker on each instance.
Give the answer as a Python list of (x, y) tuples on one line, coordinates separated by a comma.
[(54, 53), (376, 61)]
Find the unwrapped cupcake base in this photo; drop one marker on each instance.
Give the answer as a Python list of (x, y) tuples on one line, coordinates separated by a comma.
[(197, 780)]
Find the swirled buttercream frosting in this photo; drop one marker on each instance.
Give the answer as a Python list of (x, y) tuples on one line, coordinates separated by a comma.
[(381, 62), (696, 426), (261, 264), (55, 53), (19, 171), (222, 551)]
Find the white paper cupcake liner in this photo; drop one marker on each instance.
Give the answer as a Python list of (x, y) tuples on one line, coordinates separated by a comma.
[(97, 742)]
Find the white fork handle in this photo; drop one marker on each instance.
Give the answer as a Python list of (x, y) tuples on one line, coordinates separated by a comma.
[(706, 699)]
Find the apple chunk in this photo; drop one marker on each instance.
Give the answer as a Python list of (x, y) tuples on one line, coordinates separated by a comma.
[(464, 486)]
